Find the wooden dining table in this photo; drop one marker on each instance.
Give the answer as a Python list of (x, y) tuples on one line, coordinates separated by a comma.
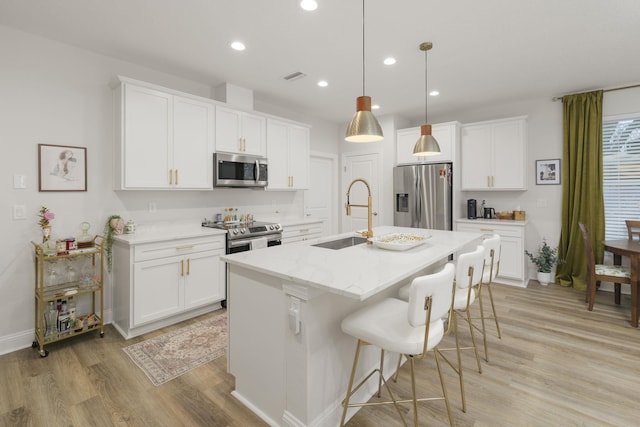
[(631, 250)]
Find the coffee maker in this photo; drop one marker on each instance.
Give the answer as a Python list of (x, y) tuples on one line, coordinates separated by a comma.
[(472, 209)]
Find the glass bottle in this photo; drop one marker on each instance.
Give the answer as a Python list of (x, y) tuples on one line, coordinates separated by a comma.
[(84, 236), (71, 307), (71, 273), (52, 276), (51, 319)]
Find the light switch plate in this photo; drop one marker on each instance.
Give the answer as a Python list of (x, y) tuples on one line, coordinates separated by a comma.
[(19, 181)]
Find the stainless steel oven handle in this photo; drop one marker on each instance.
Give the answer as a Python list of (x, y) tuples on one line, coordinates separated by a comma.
[(236, 243)]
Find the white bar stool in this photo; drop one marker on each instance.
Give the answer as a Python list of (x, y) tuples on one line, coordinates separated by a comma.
[(492, 251), (410, 328), (469, 267)]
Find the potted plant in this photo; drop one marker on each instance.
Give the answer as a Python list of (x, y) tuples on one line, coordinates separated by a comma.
[(113, 226), (545, 260)]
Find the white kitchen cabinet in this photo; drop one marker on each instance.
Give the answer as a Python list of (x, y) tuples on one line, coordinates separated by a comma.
[(240, 132), (512, 241), (288, 155), (493, 155), (164, 282), (304, 231), (447, 135), (165, 141)]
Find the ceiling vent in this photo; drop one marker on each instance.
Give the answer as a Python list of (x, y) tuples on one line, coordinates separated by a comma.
[(294, 76)]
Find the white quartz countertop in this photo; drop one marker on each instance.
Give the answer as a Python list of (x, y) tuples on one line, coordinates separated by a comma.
[(495, 221), (151, 234), (359, 271), (289, 221)]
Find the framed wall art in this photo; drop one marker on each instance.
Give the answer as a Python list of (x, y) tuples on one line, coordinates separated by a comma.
[(62, 168), (548, 172)]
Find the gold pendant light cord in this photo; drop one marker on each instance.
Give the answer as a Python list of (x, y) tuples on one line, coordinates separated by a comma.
[(363, 62)]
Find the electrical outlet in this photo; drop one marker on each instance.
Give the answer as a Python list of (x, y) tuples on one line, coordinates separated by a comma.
[(153, 207), (19, 212)]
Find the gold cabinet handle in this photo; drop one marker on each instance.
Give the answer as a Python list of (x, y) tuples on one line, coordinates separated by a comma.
[(184, 247), (188, 266), (181, 267), (488, 181), (170, 176), (176, 176)]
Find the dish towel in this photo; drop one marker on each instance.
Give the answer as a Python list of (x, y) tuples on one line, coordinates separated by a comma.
[(258, 243)]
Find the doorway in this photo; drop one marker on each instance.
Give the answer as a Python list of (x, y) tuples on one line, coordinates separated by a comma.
[(365, 166)]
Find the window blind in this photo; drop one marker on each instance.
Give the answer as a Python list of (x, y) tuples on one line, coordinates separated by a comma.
[(621, 174)]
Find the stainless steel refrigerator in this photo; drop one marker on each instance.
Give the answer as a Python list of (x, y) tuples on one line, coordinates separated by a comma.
[(423, 196)]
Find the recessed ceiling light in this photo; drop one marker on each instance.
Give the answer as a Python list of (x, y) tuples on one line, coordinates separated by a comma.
[(238, 46), (434, 93), (309, 5), (375, 107), (389, 61), (323, 83)]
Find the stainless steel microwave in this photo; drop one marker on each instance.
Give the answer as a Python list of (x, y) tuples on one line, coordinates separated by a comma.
[(237, 170)]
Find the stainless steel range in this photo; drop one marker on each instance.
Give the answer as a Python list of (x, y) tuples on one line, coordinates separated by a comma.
[(247, 236)]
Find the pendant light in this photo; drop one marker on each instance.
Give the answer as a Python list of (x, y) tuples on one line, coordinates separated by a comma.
[(427, 144), (364, 126)]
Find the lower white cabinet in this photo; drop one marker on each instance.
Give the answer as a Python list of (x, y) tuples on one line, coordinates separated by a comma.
[(513, 269), (306, 231), (161, 283)]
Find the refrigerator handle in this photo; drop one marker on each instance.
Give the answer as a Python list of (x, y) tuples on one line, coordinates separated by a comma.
[(417, 198)]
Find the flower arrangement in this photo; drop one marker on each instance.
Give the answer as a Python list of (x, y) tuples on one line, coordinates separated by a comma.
[(45, 216), (546, 257)]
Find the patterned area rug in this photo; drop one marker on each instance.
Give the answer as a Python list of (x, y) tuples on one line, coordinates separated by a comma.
[(168, 356)]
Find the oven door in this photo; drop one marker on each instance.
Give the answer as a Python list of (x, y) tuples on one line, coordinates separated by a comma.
[(233, 170), (243, 245)]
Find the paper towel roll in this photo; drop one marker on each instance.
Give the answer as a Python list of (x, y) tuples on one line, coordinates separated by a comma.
[(258, 243)]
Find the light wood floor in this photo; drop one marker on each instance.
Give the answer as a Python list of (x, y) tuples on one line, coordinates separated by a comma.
[(556, 365)]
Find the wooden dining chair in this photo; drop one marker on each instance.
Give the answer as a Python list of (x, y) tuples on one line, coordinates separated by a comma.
[(633, 229), (597, 273)]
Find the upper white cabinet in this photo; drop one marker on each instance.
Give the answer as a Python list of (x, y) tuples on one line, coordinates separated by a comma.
[(447, 135), (240, 132), (288, 155), (165, 140), (493, 155)]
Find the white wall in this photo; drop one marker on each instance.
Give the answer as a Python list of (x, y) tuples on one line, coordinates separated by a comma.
[(51, 93)]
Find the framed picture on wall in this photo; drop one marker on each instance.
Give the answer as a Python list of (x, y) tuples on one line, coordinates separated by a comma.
[(62, 168), (548, 172)]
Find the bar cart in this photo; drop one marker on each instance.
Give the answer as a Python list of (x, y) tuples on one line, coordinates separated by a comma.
[(69, 295)]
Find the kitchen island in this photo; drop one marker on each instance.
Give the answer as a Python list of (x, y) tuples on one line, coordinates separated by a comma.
[(287, 352)]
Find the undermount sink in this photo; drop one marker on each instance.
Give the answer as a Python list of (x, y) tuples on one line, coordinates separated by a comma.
[(345, 242)]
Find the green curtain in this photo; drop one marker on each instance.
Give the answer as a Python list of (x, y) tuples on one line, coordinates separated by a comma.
[(582, 194)]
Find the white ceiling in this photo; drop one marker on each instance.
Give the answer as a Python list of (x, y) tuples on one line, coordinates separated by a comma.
[(485, 52)]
